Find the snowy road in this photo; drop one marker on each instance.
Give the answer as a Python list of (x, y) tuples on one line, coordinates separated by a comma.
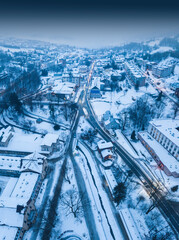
[(109, 226)]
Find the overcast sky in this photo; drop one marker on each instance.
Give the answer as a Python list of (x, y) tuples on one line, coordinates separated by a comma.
[(89, 23)]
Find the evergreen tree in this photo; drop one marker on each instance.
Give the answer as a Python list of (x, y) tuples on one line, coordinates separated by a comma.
[(133, 137), (159, 96), (14, 101), (119, 193)]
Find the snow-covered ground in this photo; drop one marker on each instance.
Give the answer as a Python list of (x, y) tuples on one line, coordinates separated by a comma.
[(162, 49), (123, 141), (30, 142), (44, 112), (68, 223), (103, 214), (117, 101), (29, 234)]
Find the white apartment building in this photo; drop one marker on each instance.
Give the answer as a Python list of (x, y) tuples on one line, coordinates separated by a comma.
[(166, 132)]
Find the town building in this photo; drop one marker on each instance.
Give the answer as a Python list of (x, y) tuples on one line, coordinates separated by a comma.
[(102, 145), (105, 150), (49, 142), (162, 142), (165, 68), (107, 154), (166, 132), (135, 74), (61, 90), (95, 92), (109, 121), (5, 136), (22, 179), (162, 71)]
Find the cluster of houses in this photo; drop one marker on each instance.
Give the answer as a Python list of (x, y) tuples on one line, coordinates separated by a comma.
[(22, 171), (165, 68), (43, 144), (21, 179)]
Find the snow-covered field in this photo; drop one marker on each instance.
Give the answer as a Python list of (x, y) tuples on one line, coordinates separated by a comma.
[(116, 102)]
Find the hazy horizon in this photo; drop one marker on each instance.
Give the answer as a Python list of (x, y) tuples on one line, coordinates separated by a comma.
[(91, 24)]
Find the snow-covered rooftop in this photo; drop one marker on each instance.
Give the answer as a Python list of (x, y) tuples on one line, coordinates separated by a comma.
[(32, 162), (32, 165), (103, 144), (34, 156), (49, 139), (168, 127), (25, 185), (10, 163), (63, 87), (106, 152), (167, 159), (4, 134), (10, 217), (30, 142), (134, 69), (8, 233)]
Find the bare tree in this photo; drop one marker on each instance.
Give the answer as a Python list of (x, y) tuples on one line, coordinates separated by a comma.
[(141, 112), (73, 202), (123, 119), (67, 176)]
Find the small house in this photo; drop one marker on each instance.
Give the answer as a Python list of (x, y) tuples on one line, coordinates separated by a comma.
[(95, 92), (102, 145), (49, 142), (106, 154), (5, 136)]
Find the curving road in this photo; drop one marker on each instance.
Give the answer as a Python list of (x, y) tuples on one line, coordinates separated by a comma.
[(159, 200)]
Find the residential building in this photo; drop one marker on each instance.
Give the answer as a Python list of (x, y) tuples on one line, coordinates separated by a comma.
[(106, 154), (162, 71), (18, 197), (166, 132), (162, 142), (95, 92), (61, 90), (49, 142), (165, 68), (102, 145), (105, 150), (135, 74), (5, 136)]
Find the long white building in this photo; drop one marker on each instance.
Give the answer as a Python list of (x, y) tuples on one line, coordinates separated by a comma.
[(135, 74), (166, 132), (162, 142)]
